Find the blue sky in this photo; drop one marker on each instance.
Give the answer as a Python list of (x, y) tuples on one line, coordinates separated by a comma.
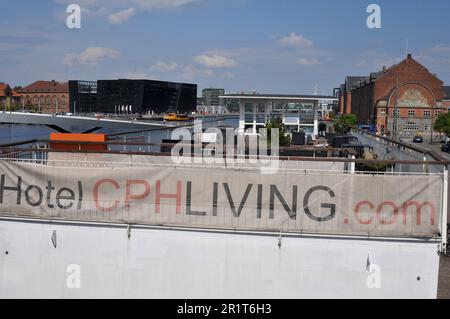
[(283, 46)]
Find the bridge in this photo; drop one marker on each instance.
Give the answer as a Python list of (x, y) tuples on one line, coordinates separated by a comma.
[(67, 124)]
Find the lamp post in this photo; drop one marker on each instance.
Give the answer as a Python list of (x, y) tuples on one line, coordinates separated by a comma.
[(432, 124)]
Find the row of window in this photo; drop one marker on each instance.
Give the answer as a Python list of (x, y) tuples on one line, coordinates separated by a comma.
[(411, 113), (46, 101), (412, 127), (279, 107)]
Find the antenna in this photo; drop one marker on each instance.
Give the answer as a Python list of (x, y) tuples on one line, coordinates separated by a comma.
[(407, 46), (316, 89)]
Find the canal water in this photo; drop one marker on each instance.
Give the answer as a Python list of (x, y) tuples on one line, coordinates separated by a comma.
[(13, 133)]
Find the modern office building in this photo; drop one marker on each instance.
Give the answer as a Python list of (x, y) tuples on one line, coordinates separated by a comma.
[(145, 96), (327, 106), (211, 100), (211, 96), (298, 112), (83, 97)]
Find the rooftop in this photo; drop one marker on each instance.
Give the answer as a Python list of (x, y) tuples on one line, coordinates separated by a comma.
[(46, 86), (280, 96)]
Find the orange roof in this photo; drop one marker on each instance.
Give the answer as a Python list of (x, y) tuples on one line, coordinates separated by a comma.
[(46, 87)]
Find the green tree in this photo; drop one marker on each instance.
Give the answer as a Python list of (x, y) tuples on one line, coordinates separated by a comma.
[(442, 124), (345, 123), (277, 123)]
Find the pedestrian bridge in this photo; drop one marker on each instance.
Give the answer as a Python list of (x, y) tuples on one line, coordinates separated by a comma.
[(65, 123)]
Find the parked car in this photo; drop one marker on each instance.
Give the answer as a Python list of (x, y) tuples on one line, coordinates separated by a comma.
[(418, 139), (445, 148)]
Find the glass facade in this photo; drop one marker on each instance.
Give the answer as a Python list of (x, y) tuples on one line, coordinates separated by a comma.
[(296, 115), (132, 96)]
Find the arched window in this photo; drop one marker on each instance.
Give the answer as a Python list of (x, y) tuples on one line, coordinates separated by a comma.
[(63, 101), (48, 100)]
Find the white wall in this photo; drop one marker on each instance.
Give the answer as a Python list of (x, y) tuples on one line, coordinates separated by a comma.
[(157, 263)]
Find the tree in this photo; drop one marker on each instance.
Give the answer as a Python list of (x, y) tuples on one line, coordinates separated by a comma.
[(344, 123), (277, 123), (442, 124)]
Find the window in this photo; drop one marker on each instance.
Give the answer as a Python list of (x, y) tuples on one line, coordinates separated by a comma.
[(427, 127), (261, 108), (382, 111), (411, 112), (394, 113), (249, 108), (411, 126), (427, 114), (438, 112)]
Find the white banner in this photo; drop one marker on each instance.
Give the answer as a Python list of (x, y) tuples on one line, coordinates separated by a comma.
[(291, 200)]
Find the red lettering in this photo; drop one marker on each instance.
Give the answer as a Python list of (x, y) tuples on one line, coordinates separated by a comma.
[(132, 197), (358, 212), (159, 196), (394, 215), (419, 208), (96, 198)]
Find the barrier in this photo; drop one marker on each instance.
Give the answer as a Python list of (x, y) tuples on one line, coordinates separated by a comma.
[(293, 200)]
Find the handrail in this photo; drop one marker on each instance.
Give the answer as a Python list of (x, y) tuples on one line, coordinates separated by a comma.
[(406, 145), (261, 157)]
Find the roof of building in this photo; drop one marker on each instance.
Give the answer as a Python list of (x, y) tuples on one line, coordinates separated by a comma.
[(352, 81), (280, 96), (446, 92), (46, 87)]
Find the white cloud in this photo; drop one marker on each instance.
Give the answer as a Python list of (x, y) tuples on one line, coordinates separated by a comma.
[(229, 75), (121, 16), (134, 75), (159, 4), (119, 11), (164, 67), (296, 41), (308, 61), (441, 48), (191, 72), (91, 56), (215, 61)]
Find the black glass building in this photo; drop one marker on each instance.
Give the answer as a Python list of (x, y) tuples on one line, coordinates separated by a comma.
[(145, 96), (83, 96), (132, 96)]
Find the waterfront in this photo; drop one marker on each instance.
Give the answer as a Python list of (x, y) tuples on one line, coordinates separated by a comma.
[(13, 133)]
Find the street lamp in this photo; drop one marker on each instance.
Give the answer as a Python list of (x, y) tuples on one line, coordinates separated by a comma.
[(432, 124)]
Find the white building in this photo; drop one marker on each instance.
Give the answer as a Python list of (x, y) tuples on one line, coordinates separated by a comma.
[(298, 112)]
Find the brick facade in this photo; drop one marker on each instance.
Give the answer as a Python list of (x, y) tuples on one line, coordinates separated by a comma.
[(46, 97), (419, 96)]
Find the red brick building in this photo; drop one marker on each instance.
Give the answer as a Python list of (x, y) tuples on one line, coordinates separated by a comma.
[(9, 99), (345, 99), (418, 94), (46, 96), (446, 100)]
